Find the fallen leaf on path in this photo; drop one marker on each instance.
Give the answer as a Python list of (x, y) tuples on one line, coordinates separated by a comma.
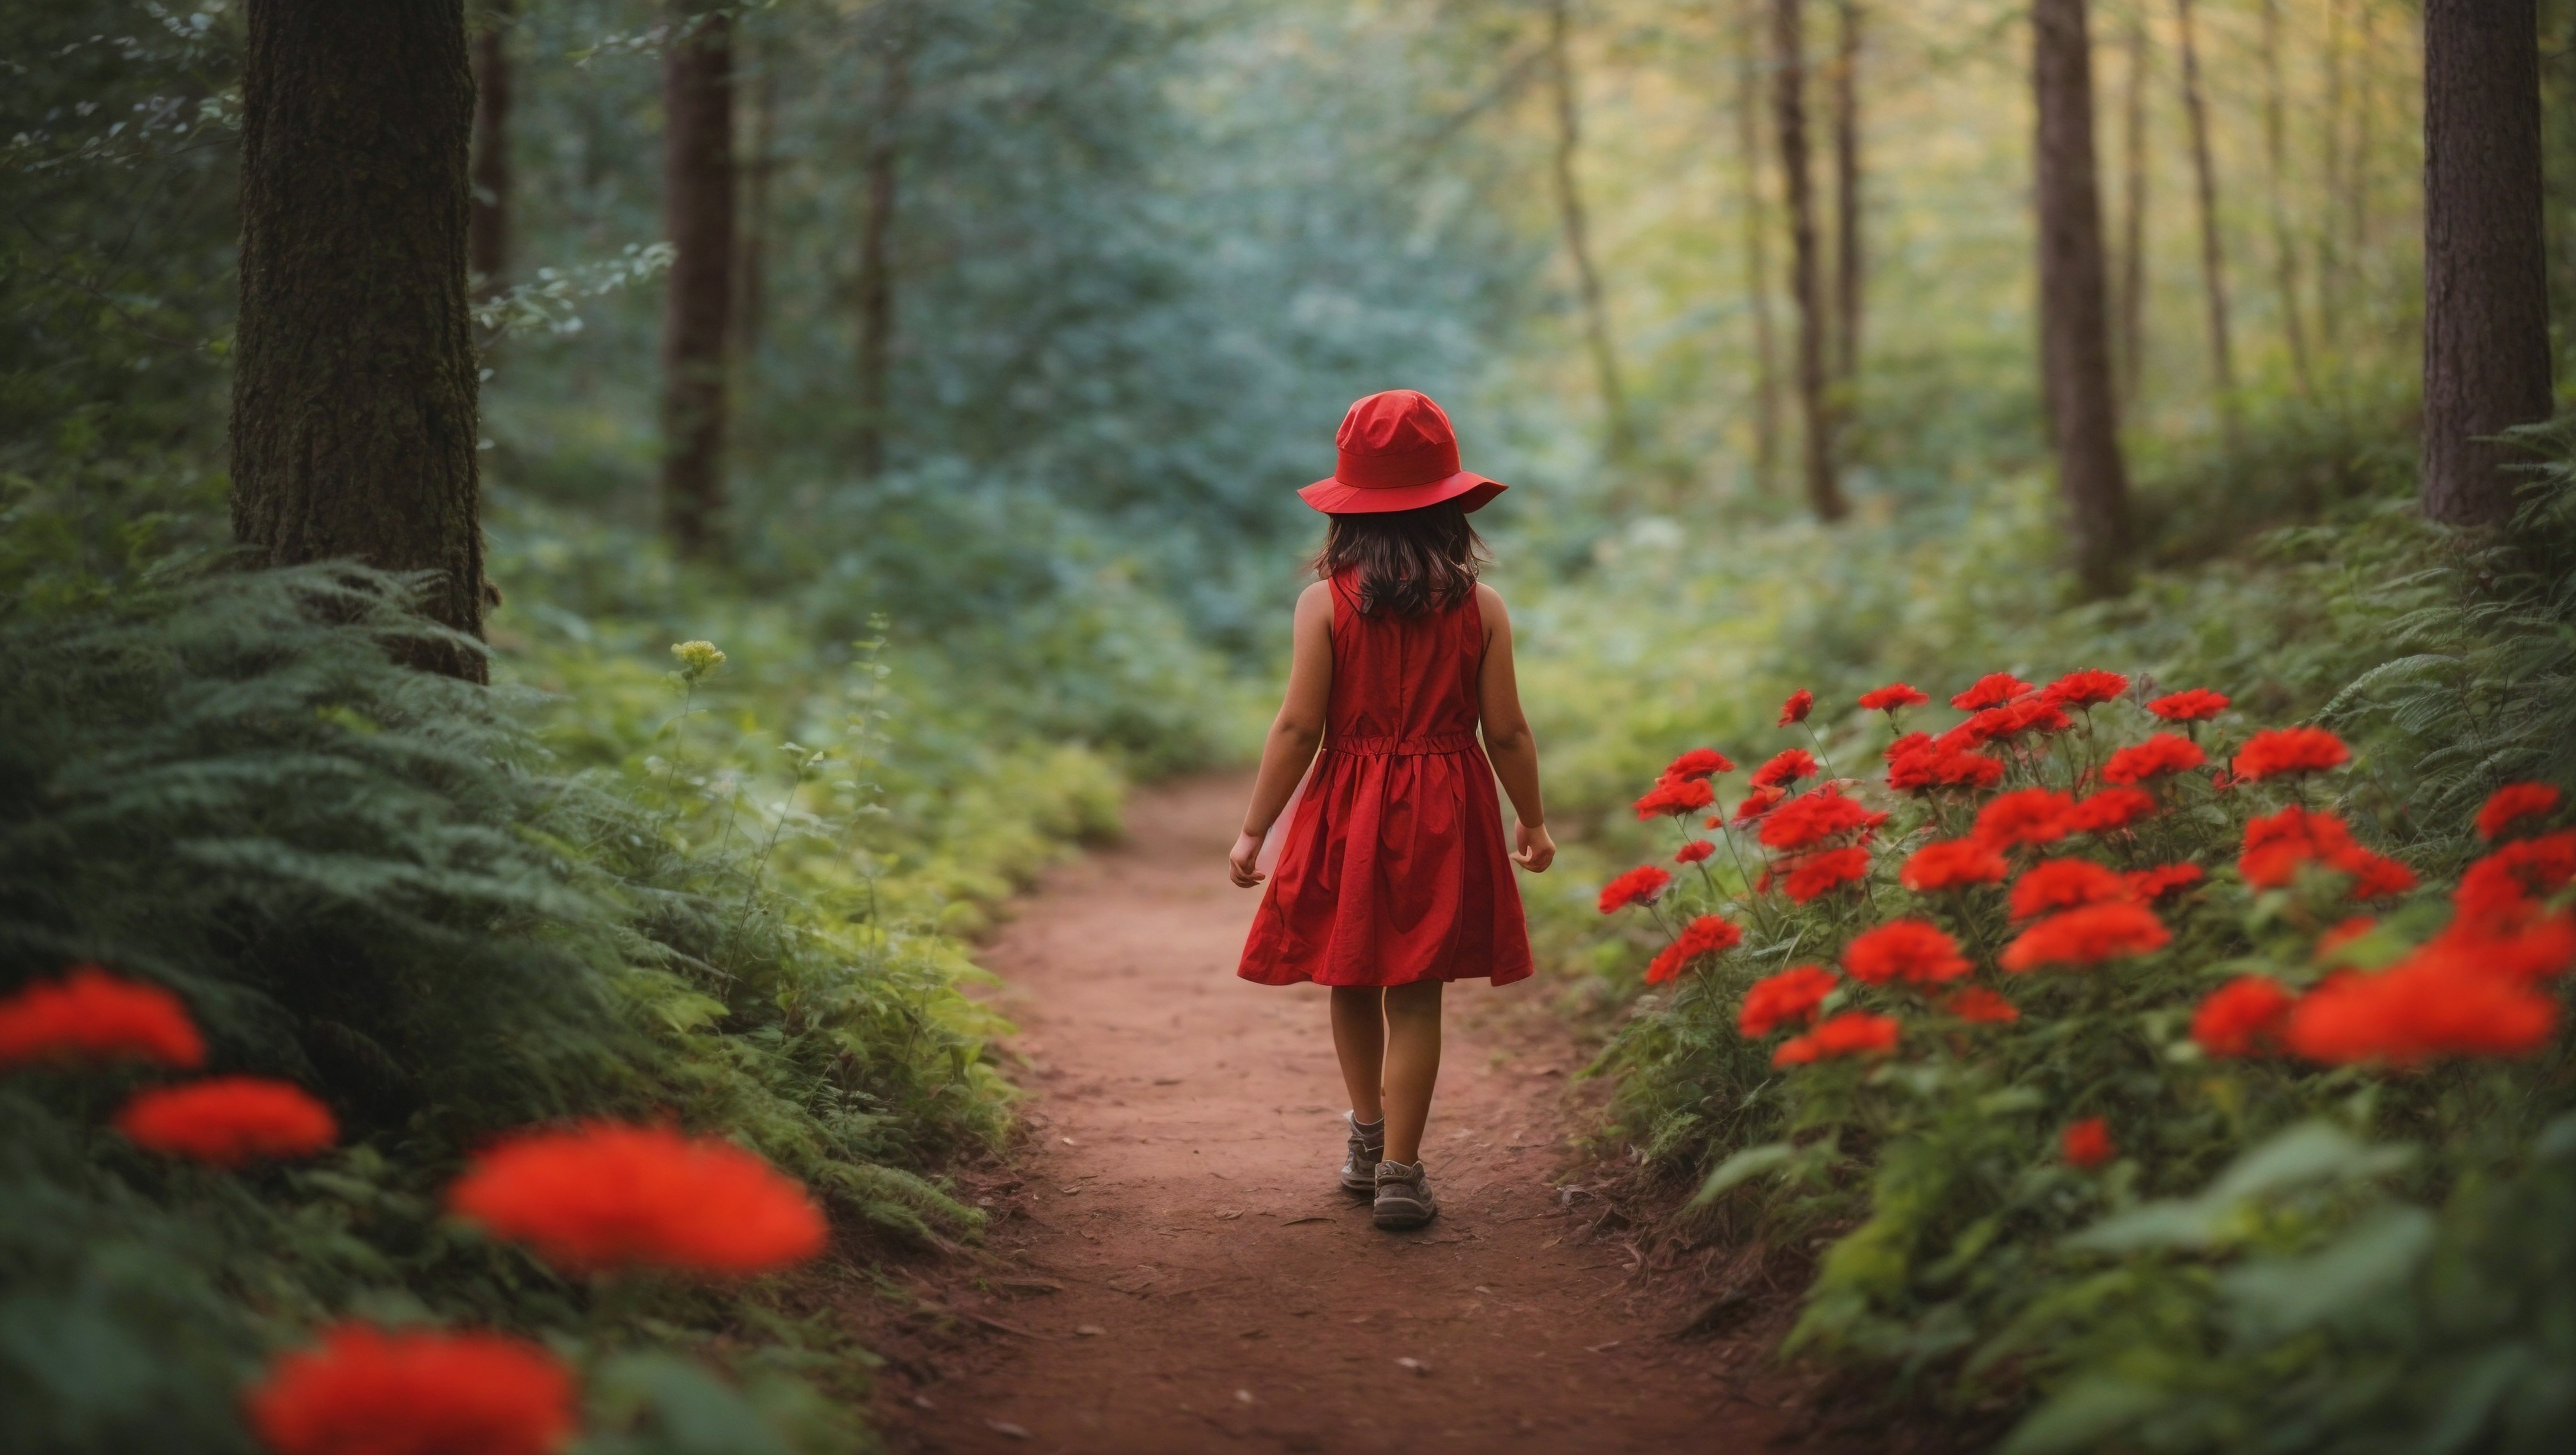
[(1416, 1365), (1167, 1081), (1317, 1218), (1089, 1331), (1068, 1141), (1244, 1395), (1601, 1348), (1230, 1216), (1005, 1427)]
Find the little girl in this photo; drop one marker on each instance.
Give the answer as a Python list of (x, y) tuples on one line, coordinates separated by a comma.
[(1392, 879)]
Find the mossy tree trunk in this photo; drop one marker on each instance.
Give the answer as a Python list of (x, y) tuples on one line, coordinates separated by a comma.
[(2486, 282), (2074, 299), (488, 237), (354, 392), (697, 300), (1806, 282)]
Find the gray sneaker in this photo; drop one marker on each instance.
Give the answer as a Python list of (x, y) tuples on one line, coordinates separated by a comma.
[(1359, 1170), (1404, 1197)]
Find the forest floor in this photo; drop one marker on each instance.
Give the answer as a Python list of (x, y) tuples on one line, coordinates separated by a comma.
[(1172, 1266)]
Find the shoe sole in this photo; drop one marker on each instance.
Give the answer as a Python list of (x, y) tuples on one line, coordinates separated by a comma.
[(1403, 1217), (1362, 1186)]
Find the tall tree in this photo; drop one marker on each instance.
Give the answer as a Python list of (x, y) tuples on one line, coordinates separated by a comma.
[(488, 234), (2074, 302), (2330, 261), (884, 166), (1578, 245), (354, 410), (1755, 211), (1789, 102), (698, 214), (2131, 304), (2486, 286), (752, 274), (1850, 263), (2358, 174), (2285, 248), (2213, 257)]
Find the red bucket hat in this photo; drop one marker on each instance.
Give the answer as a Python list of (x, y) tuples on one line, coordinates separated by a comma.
[(1397, 452)]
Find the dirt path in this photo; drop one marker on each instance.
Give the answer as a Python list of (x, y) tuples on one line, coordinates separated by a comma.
[(1180, 1272)]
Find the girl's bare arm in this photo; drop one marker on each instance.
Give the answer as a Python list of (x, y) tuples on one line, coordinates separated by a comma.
[(1507, 736), (1295, 733)]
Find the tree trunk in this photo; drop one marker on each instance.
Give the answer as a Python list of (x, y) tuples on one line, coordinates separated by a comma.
[(2285, 248), (1757, 250), (753, 273), (1789, 102), (876, 249), (2360, 171), (1578, 246), (2486, 290), (2131, 371), (488, 235), (2074, 305), (1849, 261), (2330, 261), (698, 213), (354, 423), (2213, 258)]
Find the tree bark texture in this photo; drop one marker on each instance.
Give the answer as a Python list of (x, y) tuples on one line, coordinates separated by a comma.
[(2486, 288), (876, 248), (2213, 256), (1578, 243), (2074, 301), (488, 235), (354, 410), (2285, 247), (698, 214), (1789, 103), (2131, 338), (1850, 263), (1756, 211)]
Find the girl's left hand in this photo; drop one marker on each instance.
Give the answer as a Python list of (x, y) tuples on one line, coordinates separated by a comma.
[(1537, 850), (1240, 861)]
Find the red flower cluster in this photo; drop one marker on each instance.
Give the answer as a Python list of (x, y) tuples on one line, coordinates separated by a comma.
[(1815, 818), (2087, 688), (367, 1392), (1694, 851), (2441, 1000), (2086, 936), (1757, 803), (1699, 763), (90, 1015), (2157, 756), (2197, 705), (2149, 885), (1800, 703), (2275, 751), (1891, 698), (227, 1121), (1852, 1033), (2276, 846), (607, 1196), (2109, 810), (2244, 1016), (2087, 1144), (2507, 880), (1676, 796), (1706, 935), (1912, 951), (2513, 803), (1641, 885), (2003, 724), (1992, 690), (1823, 873), (2023, 816), (1786, 768), (1952, 864), (2066, 884), (1788, 998), (1978, 1005), (1918, 761)]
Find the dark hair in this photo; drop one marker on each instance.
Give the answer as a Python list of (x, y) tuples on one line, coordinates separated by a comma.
[(1405, 561)]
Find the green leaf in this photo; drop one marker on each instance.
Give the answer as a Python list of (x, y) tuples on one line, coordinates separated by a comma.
[(1743, 1167)]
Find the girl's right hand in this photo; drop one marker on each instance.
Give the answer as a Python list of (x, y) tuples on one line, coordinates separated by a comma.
[(1537, 850), (1243, 861)]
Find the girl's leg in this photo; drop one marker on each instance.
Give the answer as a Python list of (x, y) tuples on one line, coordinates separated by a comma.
[(1412, 1065), (1359, 1040)]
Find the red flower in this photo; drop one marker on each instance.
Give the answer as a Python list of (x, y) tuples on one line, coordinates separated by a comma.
[(1699, 763), (367, 1392), (1785, 768), (2438, 1001), (2157, 756), (1890, 698), (1815, 818), (228, 1120), (1910, 950), (2276, 751), (2023, 816), (1800, 703), (1706, 935), (2526, 945), (1952, 864), (1788, 998), (2066, 884), (1758, 802), (1823, 873), (2087, 936), (2086, 688), (601, 1195), (2246, 1014), (2112, 808), (90, 1015), (2149, 885), (2512, 803), (1917, 761), (1852, 1033), (1977, 1004), (2374, 876), (2197, 705), (2520, 872), (1641, 885), (1992, 690), (2087, 1144), (1676, 796), (1694, 851), (2277, 845), (2002, 724)]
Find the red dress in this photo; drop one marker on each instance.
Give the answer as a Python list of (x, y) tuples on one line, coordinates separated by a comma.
[(1395, 868)]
